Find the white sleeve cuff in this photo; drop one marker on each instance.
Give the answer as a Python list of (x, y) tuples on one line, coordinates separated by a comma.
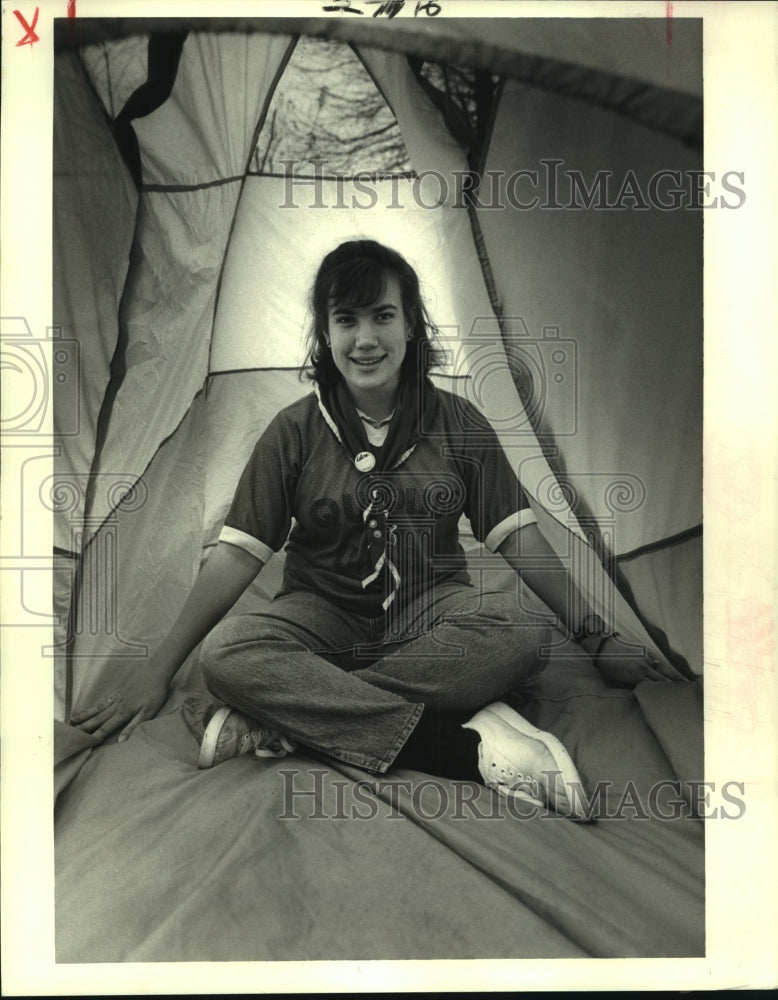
[(233, 536), (512, 523)]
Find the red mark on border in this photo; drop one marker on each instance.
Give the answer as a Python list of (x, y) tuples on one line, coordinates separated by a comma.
[(30, 37), (669, 24), (71, 8)]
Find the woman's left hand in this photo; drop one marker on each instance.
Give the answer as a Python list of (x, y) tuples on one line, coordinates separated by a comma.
[(626, 664), (135, 698)]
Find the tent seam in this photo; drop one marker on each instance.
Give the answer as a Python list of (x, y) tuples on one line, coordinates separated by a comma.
[(202, 186), (374, 175), (679, 538), (238, 178)]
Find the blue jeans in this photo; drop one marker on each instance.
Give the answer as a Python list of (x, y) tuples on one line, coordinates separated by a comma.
[(351, 688)]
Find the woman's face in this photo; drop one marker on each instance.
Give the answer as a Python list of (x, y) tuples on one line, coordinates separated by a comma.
[(368, 345)]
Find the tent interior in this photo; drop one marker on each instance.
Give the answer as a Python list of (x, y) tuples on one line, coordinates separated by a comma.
[(201, 171)]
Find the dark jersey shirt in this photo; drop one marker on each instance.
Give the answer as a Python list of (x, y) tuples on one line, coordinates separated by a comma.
[(301, 488)]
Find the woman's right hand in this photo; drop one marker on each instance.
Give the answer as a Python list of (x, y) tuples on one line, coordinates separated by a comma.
[(140, 690), (135, 698)]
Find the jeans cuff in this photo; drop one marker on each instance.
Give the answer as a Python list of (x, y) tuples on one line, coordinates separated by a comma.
[(378, 765)]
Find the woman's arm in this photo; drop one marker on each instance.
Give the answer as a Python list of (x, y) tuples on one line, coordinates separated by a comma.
[(530, 555), (221, 581), (140, 694)]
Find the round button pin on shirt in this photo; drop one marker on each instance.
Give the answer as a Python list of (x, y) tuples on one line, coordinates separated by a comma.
[(365, 461)]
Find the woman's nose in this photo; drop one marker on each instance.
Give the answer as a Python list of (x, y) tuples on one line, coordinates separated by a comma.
[(365, 334)]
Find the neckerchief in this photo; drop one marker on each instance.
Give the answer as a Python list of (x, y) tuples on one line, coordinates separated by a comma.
[(413, 410), (403, 430)]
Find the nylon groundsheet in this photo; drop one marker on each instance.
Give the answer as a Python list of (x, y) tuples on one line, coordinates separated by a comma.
[(303, 859)]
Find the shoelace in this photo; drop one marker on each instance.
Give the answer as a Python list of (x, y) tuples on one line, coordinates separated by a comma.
[(509, 781), (273, 745)]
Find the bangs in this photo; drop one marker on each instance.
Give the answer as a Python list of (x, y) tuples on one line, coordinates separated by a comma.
[(357, 284)]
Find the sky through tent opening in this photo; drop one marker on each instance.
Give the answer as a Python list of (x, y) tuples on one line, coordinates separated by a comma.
[(326, 107)]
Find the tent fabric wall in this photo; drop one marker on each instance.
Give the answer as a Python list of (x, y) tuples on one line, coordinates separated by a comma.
[(631, 405), (139, 564), (624, 427), (93, 220), (666, 584), (428, 140), (191, 190), (91, 254)]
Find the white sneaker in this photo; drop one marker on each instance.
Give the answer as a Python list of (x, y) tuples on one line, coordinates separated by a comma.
[(518, 760)]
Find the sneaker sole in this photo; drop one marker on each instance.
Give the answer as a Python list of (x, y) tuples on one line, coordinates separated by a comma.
[(564, 762), (211, 738)]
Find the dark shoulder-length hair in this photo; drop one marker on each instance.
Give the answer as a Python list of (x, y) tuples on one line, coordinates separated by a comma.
[(352, 276)]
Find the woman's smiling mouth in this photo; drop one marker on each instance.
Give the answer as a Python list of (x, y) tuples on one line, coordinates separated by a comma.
[(367, 362)]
